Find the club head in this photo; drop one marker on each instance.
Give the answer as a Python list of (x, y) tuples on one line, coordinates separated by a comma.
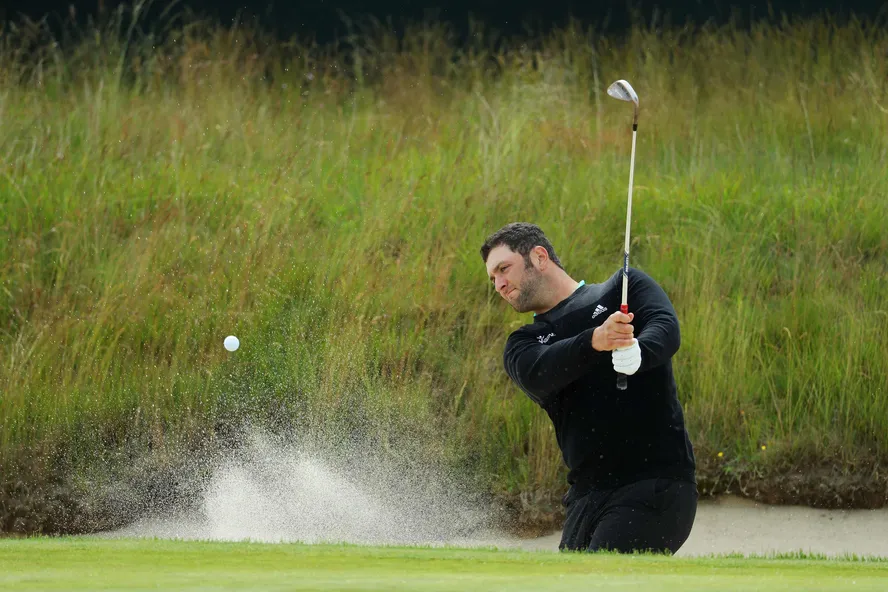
[(623, 91)]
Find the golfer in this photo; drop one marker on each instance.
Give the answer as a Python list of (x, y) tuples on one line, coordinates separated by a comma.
[(631, 464)]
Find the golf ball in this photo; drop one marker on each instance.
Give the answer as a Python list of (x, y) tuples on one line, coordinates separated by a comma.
[(231, 343)]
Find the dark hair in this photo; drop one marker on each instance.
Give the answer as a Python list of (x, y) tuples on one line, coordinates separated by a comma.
[(521, 237)]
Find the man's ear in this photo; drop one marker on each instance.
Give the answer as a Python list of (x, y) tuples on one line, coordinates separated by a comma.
[(542, 257)]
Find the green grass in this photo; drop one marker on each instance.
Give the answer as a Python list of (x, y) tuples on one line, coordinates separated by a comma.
[(155, 197), (84, 564)]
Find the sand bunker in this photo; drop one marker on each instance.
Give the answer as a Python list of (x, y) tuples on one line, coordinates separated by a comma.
[(276, 492), (734, 525), (725, 525)]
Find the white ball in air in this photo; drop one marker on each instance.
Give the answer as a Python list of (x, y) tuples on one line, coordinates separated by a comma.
[(231, 343)]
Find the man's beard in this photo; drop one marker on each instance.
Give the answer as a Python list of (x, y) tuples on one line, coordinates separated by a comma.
[(529, 291)]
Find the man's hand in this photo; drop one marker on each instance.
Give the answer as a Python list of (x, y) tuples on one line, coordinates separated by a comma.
[(615, 332), (627, 360)]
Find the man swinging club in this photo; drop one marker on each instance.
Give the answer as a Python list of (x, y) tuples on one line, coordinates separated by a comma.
[(631, 464)]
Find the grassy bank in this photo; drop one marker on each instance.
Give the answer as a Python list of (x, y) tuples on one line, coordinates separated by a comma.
[(65, 564), (327, 207)]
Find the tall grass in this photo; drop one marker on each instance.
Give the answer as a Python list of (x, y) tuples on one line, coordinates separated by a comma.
[(327, 206)]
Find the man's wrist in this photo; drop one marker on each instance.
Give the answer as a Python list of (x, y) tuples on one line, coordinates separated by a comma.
[(594, 331)]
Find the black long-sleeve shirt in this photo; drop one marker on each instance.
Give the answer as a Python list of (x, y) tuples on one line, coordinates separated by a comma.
[(607, 437)]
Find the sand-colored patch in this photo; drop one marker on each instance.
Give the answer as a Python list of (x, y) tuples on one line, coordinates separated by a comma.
[(731, 524)]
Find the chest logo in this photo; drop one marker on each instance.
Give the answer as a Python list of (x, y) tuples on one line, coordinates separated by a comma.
[(545, 338), (598, 310)]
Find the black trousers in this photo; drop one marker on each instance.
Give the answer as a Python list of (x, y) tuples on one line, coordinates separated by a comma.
[(653, 515)]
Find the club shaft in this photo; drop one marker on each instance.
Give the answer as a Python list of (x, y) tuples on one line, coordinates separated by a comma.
[(624, 307), (625, 301)]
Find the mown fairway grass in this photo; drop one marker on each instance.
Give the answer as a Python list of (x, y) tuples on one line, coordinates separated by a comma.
[(84, 564), (327, 207)]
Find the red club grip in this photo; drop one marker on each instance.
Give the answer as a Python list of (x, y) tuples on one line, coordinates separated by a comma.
[(624, 308)]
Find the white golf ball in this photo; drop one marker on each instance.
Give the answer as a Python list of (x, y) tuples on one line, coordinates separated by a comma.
[(231, 343)]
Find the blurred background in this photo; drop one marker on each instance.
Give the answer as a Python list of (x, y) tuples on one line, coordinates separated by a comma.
[(318, 179)]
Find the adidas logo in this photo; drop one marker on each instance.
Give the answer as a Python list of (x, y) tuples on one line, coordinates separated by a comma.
[(598, 310), (545, 338)]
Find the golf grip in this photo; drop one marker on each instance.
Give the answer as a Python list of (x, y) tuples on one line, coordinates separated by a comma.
[(621, 378), (622, 383)]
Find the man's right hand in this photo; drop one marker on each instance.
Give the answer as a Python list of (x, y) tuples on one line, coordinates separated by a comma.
[(614, 332)]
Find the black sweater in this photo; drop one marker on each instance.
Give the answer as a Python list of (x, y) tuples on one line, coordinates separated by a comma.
[(608, 437)]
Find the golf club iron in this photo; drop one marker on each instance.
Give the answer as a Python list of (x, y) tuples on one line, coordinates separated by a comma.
[(622, 90)]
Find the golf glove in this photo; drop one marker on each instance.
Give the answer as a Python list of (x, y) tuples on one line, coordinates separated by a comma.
[(627, 360)]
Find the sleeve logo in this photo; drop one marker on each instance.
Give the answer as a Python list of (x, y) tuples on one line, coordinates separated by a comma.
[(545, 338)]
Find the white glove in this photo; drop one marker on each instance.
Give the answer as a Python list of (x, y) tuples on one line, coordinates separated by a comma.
[(627, 360)]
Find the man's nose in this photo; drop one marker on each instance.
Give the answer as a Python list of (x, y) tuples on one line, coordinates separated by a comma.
[(500, 284)]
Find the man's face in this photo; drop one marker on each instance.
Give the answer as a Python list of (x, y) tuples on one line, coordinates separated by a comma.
[(519, 284)]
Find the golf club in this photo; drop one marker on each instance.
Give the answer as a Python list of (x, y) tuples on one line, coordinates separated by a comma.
[(622, 90)]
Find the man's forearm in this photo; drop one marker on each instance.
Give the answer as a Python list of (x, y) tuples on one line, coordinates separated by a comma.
[(660, 336), (543, 370), (659, 341)]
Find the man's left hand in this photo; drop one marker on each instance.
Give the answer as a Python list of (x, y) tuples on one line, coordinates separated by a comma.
[(627, 360)]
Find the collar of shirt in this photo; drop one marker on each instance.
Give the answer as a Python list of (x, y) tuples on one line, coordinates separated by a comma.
[(580, 285)]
